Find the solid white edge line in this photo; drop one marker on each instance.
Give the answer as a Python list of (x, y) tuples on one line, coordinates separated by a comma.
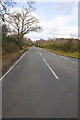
[(12, 67), (50, 69), (40, 53)]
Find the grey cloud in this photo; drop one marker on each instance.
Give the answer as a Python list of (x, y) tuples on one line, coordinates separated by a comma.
[(65, 7)]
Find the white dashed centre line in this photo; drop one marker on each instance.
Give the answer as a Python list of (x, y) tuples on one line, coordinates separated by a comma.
[(73, 62), (51, 69), (40, 53)]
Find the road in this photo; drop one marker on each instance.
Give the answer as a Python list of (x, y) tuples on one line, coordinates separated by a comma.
[(41, 85)]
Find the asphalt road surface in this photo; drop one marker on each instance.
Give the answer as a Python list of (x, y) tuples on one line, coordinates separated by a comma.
[(41, 85)]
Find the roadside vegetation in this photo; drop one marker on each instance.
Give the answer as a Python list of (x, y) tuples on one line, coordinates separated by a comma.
[(11, 51), (15, 25), (69, 48)]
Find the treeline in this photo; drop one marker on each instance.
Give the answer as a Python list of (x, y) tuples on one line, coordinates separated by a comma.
[(68, 46)]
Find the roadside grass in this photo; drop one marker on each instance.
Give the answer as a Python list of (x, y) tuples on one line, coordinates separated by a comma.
[(64, 53), (9, 59), (68, 48)]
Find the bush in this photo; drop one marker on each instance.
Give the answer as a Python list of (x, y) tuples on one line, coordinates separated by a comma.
[(9, 44), (68, 46)]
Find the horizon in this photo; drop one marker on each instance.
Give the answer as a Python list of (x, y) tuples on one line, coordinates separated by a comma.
[(52, 39), (57, 19)]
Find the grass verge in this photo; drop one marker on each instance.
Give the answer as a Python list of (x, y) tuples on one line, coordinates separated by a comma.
[(63, 53), (9, 59)]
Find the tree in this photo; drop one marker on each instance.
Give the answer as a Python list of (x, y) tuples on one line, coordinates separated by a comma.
[(30, 4), (6, 4), (19, 22), (22, 22), (4, 8), (4, 30)]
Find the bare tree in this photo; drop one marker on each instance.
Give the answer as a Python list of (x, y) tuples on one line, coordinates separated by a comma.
[(6, 4), (4, 8), (4, 30), (22, 22), (30, 4)]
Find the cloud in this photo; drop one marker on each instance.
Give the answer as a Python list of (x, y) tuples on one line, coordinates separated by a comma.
[(62, 25), (56, 28), (57, 0), (15, 9), (65, 7), (20, 1)]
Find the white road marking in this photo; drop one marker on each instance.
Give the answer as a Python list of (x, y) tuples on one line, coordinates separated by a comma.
[(66, 58), (61, 56), (52, 54), (50, 69), (12, 67), (40, 53), (73, 62)]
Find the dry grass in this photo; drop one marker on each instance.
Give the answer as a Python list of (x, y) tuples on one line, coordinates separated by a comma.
[(8, 58), (68, 54)]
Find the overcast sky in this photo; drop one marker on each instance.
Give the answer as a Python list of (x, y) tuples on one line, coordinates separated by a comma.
[(58, 19)]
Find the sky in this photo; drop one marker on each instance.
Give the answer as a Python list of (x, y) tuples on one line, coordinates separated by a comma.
[(57, 19)]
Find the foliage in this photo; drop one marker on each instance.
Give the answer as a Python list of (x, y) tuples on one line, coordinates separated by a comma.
[(28, 45), (4, 30), (23, 22), (68, 46), (10, 45)]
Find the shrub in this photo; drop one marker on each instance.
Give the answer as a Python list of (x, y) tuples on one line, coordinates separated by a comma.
[(9, 44), (67, 46)]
